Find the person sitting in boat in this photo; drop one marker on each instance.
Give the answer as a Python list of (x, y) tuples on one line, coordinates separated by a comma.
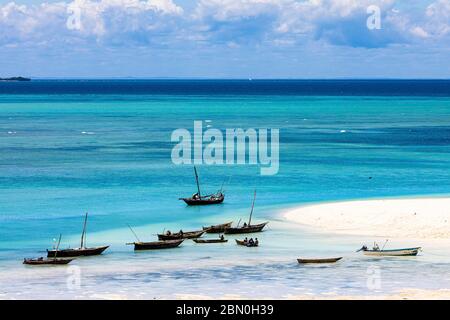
[(222, 237), (245, 240), (376, 247), (256, 242), (245, 224), (180, 232), (168, 233), (195, 196), (251, 242)]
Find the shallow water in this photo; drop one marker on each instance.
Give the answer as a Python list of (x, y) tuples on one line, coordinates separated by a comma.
[(64, 153)]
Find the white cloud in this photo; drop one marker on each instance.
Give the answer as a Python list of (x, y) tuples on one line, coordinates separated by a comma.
[(160, 22)]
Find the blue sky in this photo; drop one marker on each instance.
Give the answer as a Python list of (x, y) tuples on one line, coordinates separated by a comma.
[(224, 39)]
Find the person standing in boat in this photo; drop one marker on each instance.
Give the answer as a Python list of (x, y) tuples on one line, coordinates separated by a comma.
[(222, 237)]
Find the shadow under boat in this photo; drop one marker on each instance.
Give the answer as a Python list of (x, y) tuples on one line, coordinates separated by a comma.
[(81, 251), (247, 227), (198, 200)]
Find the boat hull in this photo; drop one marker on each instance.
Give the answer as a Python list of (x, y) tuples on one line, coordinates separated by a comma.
[(40, 262), (248, 229), (210, 240), (326, 260), (184, 235), (156, 245), (245, 244), (202, 202), (220, 228), (392, 253), (80, 252)]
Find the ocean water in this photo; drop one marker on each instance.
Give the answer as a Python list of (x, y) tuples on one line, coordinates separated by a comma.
[(67, 147)]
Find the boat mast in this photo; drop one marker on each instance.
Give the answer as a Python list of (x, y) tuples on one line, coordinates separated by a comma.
[(251, 212), (83, 234), (198, 184), (57, 246)]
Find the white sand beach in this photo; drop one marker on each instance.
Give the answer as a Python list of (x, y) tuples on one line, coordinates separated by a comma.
[(418, 218)]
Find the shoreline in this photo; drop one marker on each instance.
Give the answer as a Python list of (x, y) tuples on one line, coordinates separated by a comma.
[(403, 218)]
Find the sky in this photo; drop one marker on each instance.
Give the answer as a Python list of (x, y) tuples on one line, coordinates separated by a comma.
[(302, 39)]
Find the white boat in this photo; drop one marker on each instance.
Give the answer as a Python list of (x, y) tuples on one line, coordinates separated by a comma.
[(391, 253)]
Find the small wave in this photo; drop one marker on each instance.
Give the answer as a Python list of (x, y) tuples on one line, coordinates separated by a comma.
[(343, 131), (12, 132), (87, 132)]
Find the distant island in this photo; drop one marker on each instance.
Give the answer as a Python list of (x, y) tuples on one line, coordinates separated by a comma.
[(15, 79)]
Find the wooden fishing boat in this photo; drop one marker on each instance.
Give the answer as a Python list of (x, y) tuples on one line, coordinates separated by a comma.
[(51, 261), (210, 240), (325, 260), (247, 227), (156, 245), (219, 228), (77, 252), (42, 261), (181, 235), (391, 253), (245, 243), (198, 200), (81, 251)]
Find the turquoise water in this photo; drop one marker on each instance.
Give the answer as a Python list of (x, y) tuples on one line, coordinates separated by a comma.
[(62, 155)]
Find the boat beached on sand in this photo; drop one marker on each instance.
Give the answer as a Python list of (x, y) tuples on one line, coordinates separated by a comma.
[(81, 251), (198, 200), (247, 227)]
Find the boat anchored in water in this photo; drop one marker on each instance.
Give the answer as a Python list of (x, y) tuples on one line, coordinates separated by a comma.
[(321, 260), (81, 251), (180, 235), (197, 199), (219, 228), (49, 261), (156, 245), (247, 227), (153, 245), (220, 240), (376, 251), (247, 243)]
